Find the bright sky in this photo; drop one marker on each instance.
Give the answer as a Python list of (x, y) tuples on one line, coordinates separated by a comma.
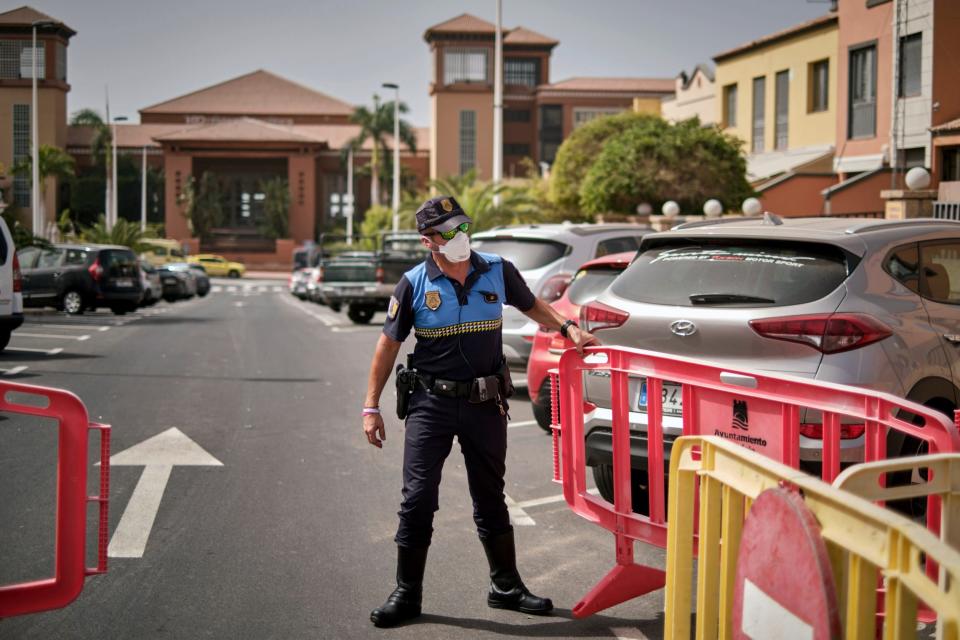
[(148, 52)]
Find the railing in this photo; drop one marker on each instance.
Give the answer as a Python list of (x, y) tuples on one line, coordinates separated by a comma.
[(946, 210)]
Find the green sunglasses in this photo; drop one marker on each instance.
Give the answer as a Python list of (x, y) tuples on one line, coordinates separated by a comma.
[(449, 235)]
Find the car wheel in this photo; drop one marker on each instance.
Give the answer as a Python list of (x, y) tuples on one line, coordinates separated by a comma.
[(72, 302), (335, 307), (541, 407), (233, 274), (360, 315), (4, 339), (915, 508), (640, 496)]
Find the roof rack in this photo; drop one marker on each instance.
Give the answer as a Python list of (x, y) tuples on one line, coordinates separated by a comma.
[(877, 225)]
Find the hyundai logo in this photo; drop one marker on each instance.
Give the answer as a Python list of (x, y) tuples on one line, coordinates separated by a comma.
[(683, 328)]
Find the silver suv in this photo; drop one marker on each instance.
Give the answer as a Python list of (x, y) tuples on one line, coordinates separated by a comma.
[(869, 303), (547, 256)]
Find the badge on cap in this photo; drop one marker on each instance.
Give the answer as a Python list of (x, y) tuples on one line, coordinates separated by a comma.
[(446, 204), (393, 308), (432, 300)]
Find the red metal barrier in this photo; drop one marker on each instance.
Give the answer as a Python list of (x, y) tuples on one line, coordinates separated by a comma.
[(711, 395), (70, 567)]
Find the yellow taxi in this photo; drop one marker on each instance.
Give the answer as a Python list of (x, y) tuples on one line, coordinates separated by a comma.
[(218, 265)]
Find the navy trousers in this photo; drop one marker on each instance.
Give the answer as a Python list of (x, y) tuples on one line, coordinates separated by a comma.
[(432, 423)]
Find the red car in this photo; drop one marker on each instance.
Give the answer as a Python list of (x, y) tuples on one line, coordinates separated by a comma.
[(590, 281)]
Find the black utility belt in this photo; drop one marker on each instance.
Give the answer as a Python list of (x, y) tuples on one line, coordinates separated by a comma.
[(475, 390)]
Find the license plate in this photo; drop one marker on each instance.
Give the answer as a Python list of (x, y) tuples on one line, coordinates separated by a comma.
[(352, 291), (123, 282), (671, 395)]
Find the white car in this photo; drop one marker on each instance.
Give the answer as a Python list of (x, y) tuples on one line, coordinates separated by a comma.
[(11, 287)]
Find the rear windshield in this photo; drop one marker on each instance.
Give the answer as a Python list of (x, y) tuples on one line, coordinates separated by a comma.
[(589, 283), (731, 273), (523, 253), (403, 245), (119, 264)]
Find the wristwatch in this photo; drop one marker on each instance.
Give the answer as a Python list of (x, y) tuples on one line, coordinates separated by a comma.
[(566, 325)]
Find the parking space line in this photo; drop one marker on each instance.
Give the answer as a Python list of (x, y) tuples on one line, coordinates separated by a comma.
[(538, 502), (81, 327), (518, 517), (54, 336), (522, 423), (49, 352), (14, 371), (326, 321)]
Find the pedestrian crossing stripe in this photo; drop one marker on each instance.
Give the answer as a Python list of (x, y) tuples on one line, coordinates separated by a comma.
[(247, 290)]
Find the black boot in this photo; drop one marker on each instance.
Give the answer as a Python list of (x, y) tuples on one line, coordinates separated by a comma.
[(507, 590), (404, 602)]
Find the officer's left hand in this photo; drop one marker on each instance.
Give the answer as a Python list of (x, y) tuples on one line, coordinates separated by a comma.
[(581, 338)]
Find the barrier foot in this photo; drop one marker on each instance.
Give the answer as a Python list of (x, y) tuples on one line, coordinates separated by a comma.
[(624, 582)]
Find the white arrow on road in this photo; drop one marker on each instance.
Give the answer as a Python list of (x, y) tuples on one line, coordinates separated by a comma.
[(159, 455)]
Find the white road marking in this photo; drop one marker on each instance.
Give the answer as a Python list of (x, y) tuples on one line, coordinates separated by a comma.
[(522, 423), (764, 617), (538, 502), (238, 304), (277, 288), (81, 327), (316, 316), (518, 517), (231, 289), (51, 335), (14, 371), (216, 289), (158, 455), (49, 352)]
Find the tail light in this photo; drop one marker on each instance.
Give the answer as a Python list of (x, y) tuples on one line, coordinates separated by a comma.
[(554, 287), (17, 275), (319, 274), (847, 431), (596, 315), (379, 275), (827, 333), (558, 342), (96, 271)]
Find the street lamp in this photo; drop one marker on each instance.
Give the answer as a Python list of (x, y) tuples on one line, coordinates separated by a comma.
[(143, 191), (112, 218), (35, 132), (396, 153)]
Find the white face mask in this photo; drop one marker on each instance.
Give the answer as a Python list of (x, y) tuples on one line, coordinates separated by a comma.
[(458, 249)]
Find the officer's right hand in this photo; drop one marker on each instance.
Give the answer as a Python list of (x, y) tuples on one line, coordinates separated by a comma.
[(373, 427)]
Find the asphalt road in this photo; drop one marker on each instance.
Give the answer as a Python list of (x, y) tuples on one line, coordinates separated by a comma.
[(291, 536)]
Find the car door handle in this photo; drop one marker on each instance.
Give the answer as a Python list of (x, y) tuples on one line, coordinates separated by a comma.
[(952, 338)]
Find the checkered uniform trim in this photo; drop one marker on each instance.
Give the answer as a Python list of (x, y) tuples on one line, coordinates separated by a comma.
[(457, 329)]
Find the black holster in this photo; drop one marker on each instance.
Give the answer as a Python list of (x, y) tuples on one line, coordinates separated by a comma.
[(506, 382), (406, 385)]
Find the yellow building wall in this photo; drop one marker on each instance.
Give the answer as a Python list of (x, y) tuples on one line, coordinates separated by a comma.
[(647, 105), (445, 133), (796, 54)]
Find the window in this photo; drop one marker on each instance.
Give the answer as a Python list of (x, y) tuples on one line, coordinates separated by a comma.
[(617, 245), (49, 258), (516, 149), (16, 62), (782, 122), (903, 264), (21, 151), (61, 62), (468, 141), (516, 115), (862, 117), (819, 86), (583, 116), (587, 284), (551, 131), (465, 65), (75, 257), (28, 257), (526, 253), (950, 163), (940, 272), (910, 51), (913, 157), (26, 61), (730, 105), (521, 71), (759, 109)]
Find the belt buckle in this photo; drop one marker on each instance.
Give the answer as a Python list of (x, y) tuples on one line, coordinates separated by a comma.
[(444, 386)]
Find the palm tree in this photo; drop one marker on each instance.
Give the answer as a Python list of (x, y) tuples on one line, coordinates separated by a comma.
[(53, 162), (477, 199), (100, 143), (377, 125)]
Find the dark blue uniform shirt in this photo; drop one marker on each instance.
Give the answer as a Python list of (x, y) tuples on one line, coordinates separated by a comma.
[(458, 328)]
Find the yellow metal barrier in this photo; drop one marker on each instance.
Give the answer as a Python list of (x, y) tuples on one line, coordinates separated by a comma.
[(863, 541)]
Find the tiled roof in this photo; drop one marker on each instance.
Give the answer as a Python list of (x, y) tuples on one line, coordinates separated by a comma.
[(253, 94), (522, 35), (463, 23), (25, 16), (953, 125), (128, 135), (810, 25), (239, 130), (638, 85)]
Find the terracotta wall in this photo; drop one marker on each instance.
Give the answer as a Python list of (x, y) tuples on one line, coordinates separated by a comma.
[(301, 176), (177, 170), (946, 54), (862, 196), (799, 195)]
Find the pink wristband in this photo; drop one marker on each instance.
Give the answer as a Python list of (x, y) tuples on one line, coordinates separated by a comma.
[(370, 411)]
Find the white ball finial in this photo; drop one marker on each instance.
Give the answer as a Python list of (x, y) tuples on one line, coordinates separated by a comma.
[(644, 209), (917, 178), (670, 208), (751, 207), (712, 208)]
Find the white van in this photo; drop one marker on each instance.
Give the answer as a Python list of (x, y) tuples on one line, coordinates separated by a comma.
[(11, 285)]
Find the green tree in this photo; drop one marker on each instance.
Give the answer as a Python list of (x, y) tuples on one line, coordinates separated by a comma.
[(377, 125), (22, 236), (203, 204), (276, 207), (101, 139), (124, 233), (53, 162), (477, 200)]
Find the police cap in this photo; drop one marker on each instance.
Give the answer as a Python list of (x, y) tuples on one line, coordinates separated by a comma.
[(441, 213)]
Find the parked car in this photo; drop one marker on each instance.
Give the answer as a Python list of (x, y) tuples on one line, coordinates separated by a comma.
[(161, 251), (77, 277), (11, 306), (871, 303), (314, 287), (588, 282), (150, 283), (547, 256), (298, 282), (201, 279), (178, 284), (218, 266)]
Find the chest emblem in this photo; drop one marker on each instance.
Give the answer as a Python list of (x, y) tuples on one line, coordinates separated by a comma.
[(432, 300), (490, 296)]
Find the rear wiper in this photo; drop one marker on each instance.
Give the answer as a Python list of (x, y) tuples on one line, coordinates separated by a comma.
[(725, 298)]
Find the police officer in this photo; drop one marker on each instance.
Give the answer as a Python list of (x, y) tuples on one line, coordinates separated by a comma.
[(453, 302)]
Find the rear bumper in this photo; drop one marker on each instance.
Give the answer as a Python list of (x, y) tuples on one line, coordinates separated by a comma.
[(11, 322), (357, 293)]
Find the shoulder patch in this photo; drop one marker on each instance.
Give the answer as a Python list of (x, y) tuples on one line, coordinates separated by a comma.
[(432, 300), (393, 307)]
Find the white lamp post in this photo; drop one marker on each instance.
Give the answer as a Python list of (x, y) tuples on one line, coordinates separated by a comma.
[(396, 153), (35, 133), (348, 209), (143, 190), (498, 107), (112, 217)]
